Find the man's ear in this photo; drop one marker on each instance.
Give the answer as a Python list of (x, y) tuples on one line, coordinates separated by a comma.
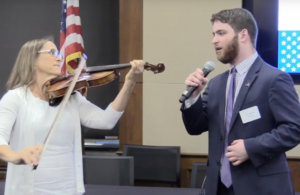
[(244, 35)]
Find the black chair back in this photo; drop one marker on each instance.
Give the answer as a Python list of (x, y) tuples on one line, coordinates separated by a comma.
[(198, 175), (155, 163), (108, 170)]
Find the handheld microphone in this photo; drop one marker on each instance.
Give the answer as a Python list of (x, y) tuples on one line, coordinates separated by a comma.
[(207, 68)]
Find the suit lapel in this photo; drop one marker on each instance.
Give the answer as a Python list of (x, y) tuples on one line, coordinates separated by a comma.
[(248, 82)]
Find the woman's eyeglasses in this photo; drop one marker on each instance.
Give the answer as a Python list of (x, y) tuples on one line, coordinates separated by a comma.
[(53, 52)]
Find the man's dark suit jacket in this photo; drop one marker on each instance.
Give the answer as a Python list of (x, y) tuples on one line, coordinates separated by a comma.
[(266, 139)]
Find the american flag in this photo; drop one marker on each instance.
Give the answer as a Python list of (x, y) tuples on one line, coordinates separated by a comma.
[(71, 41), (289, 51)]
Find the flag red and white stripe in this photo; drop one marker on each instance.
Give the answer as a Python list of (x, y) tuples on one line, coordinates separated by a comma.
[(71, 41)]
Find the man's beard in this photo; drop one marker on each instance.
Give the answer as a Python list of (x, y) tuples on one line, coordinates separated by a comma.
[(230, 52)]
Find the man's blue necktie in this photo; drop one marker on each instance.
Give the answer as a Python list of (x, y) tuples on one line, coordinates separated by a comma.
[(225, 168)]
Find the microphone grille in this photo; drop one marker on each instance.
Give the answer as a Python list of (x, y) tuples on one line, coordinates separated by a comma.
[(209, 66)]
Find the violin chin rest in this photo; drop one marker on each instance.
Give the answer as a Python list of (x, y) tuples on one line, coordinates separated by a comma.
[(55, 101)]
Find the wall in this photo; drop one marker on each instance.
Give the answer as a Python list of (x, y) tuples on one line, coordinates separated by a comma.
[(177, 33)]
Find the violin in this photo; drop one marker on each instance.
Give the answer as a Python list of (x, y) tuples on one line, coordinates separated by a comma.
[(60, 89), (56, 88)]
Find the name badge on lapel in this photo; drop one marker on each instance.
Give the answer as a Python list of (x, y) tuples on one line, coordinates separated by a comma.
[(250, 114)]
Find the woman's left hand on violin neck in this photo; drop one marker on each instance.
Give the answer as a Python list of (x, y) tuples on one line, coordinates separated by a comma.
[(137, 68)]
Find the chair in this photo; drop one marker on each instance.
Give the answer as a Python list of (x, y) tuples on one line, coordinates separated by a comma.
[(198, 175), (155, 164), (108, 170)]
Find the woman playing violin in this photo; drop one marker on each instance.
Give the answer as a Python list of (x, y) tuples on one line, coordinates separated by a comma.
[(26, 117)]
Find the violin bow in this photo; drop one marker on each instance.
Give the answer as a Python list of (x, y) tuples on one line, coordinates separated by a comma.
[(63, 104)]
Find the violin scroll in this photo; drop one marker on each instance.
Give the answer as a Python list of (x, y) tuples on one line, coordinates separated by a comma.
[(160, 67)]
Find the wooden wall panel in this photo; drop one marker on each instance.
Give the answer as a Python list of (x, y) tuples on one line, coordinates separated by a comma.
[(131, 47), (187, 161), (131, 122), (294, 164)]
